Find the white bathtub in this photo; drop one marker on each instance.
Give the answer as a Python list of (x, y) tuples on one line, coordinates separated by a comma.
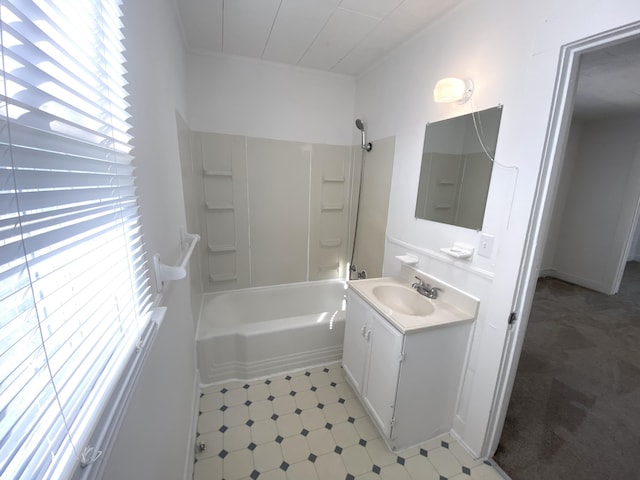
[(254, 332)]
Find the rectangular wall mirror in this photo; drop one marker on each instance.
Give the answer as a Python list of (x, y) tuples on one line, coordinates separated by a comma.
[(456, 168)]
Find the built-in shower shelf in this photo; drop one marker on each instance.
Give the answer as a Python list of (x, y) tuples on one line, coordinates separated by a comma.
[(332, 207), (442, 207), (329, 268), (221, 248), (446, 182), (219, 206), (331, 243), (222, 277), (332, 179), (217, 173)]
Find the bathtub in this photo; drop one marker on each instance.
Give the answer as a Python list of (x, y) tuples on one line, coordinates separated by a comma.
[(255, 332)]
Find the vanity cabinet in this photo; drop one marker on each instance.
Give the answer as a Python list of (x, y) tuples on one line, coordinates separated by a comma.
[(407, 381), (371, 360)]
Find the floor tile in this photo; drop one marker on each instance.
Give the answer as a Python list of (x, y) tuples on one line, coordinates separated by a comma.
[(313, 419), (420, 468), (309, 425), (327, 394), (213, 442), (345, 391), (306, 399), (330, 466), (267, 456), (209, 421), (319, 379), (345, 434), (277, 474), (485, 472), (355, 408), (356, 460), (260, 410), (280, 387), (300, 384), (321, 441), (335, 413), (302, 471), (380, 453), (365, 428), (394, 472), (295, 449), (236, 415), (284, 405), (235, 397), (211, 401), (289, 424), (463, 456), (208, 468), (258, 392), (444, 462), (237, 465), (236, 438)]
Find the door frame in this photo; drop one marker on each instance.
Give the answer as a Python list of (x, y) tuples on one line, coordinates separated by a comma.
[(538, 229)]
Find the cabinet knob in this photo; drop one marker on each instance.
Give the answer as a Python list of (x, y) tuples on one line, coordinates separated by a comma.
[(363, 330), (367, 335)]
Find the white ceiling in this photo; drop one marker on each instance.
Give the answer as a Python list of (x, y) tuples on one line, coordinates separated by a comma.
[(342, 36), (609, 81), (347, 36)]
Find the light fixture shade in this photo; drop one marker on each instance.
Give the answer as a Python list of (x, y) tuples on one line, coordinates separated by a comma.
[(451, 89)]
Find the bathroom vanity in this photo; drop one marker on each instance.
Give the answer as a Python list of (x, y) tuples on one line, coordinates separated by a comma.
[(404, 356)]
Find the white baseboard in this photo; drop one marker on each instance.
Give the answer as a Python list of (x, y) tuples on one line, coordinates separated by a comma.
[(191, 440)]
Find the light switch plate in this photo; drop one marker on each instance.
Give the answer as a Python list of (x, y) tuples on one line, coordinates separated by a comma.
[(485, 245)]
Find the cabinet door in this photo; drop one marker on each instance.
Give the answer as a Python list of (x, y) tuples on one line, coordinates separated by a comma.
[(355, 352), (384, 369)]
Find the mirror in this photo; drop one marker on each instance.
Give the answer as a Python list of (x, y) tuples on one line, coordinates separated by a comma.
[(456, 168)]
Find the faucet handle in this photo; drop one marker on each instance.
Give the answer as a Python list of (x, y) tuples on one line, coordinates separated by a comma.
[(418, 283)]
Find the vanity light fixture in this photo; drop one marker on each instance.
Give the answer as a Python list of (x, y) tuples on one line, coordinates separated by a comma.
[(449, 90)]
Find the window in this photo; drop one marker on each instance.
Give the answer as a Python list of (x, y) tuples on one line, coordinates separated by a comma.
[(74, 289)]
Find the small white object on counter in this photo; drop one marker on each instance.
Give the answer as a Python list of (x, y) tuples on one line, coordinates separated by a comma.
[(459, 251), (408, 259)]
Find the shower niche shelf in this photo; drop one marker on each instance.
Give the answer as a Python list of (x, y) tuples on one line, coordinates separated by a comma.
[(219, 207), (332, 243), (332, 207), (218, 173), (222, 278), (221, 248), (326, 179)]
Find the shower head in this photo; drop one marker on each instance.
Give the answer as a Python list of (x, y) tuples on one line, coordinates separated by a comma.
[(360, 126)]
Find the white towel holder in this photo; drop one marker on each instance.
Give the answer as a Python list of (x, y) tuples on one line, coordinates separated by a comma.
[(166, 273)]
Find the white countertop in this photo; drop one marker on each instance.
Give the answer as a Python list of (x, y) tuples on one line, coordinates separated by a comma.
[(443, 314)]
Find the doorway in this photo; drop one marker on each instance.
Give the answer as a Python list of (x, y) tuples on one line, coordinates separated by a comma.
[(547, 196)]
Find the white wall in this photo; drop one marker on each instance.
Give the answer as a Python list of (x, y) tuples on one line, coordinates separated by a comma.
[(511, 51), (601, 198), (568, 167), (261, 99), (155, 439)]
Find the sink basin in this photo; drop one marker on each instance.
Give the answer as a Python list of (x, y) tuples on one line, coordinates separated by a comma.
[(403, 300)]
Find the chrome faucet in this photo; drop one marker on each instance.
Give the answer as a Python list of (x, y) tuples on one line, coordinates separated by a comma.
[(425, 290)]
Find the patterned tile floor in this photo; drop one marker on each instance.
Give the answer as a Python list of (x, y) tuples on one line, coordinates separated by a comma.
[(309, 425)]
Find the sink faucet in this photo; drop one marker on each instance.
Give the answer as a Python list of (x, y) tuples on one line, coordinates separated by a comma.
[(426, 290)]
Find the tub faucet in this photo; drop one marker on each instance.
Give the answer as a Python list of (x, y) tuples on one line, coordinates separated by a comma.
[(425, 290)]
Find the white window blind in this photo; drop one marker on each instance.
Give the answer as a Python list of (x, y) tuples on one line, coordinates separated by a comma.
[(74, 290)]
